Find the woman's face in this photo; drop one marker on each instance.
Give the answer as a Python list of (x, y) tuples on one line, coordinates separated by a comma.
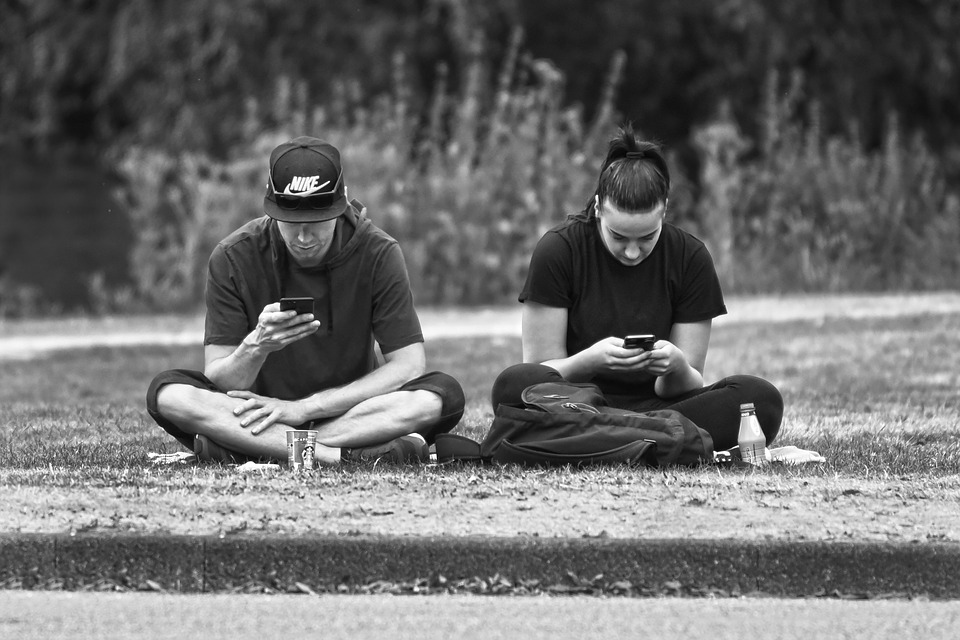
[(630, 236)]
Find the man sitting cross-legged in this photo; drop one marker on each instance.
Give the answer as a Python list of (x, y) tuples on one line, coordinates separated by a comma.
[(268, 370)]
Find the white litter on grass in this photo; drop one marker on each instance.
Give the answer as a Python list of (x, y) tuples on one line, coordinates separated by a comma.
[(793, 455), (250, 465), (787, 455), (184, 457), (181, 457)]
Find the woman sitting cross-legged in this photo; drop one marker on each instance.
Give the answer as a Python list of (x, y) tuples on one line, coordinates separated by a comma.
[(618, 268)]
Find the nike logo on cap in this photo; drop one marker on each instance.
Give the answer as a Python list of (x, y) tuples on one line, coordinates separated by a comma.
[(303, 186)]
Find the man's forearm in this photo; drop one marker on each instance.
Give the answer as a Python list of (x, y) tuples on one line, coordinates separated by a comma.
[(337, 401), (237, 370)]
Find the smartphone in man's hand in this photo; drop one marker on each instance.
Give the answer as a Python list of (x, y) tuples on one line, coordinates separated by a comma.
[(643, 341), (300, 305)]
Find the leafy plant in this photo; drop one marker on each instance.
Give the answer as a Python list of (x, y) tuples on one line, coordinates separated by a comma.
[(799, 210), (467, 194)]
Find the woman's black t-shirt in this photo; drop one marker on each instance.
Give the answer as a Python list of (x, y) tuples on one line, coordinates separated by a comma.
[(572, 269)]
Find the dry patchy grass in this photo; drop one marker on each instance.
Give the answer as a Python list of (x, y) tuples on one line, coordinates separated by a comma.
[(877, 397)]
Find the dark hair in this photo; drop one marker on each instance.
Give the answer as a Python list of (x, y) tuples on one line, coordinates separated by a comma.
[(634, 175)]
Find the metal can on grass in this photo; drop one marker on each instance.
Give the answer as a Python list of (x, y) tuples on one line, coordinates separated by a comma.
[(301, 449)]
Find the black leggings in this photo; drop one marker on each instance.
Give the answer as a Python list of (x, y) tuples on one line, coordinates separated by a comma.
[(715, 408)]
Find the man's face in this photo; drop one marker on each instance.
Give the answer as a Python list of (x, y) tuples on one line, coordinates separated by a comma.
[(307, 242), (630, 236)]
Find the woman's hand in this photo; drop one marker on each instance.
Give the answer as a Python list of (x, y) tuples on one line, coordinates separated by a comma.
[(664, 358), (609, 355), (276, 329), (260, 412)]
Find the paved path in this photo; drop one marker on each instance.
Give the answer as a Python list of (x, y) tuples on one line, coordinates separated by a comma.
[(25, 340), (51, 615)]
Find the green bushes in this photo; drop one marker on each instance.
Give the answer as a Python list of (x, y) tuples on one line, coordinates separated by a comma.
[(469, 182), (818, 213), (180, 206), (467, 192)]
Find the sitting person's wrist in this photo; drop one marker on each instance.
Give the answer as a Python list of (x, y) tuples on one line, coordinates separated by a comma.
[(252, 346)]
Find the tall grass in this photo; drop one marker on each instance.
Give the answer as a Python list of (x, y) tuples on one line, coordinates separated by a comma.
[(467, 187), (800, 210), (470, 177)]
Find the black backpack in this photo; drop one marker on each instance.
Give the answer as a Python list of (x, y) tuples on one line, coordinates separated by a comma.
[(571, 424)]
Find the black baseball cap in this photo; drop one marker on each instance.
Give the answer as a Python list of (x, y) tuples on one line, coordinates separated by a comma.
[(305, 182)]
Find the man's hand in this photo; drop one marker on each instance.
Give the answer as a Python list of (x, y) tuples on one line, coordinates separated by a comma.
[(260, 412), (276, 329)]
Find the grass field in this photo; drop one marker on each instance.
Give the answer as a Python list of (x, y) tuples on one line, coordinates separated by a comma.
[(877, 397)]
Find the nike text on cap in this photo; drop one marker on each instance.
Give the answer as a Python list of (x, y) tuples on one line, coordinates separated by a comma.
[(305, 183)]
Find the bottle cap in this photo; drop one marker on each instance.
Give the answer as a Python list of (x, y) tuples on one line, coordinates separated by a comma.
[(747, 406)]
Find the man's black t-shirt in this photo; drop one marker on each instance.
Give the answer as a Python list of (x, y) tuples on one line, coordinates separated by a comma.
[(572, 269), (361, 292)]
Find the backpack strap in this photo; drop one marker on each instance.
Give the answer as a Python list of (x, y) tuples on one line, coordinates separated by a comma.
[(564, 397), (638, 453)]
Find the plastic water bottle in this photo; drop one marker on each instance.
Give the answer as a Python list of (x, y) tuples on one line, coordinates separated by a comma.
[(753, 444)]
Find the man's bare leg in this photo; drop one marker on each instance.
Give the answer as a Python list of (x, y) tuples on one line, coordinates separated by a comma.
[(373, 421), (210, 413), (381, 419)]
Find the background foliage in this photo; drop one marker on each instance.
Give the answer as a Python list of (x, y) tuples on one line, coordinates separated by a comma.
[(815, 144)]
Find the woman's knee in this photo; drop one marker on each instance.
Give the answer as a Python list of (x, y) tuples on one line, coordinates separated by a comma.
[(514, 379)]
